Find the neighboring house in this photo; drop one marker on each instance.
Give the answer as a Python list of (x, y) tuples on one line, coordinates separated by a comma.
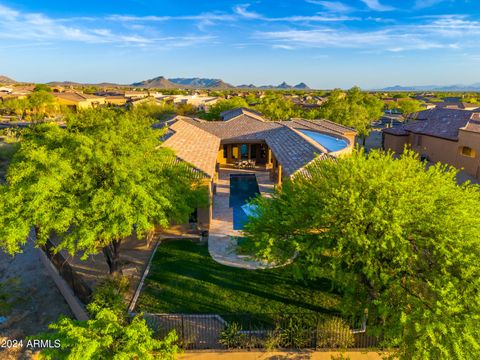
[(136, 94), (202, 103), (449, 136), (283, 148), (77, 100), (118, 100), (457, 105)]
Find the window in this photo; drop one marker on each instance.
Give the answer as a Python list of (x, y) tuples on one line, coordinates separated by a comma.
[(467, 151), (225, 151)]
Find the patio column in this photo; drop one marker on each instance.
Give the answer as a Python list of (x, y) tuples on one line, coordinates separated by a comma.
[(279, 179)]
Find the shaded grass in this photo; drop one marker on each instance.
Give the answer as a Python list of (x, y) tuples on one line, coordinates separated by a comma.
[(184, 278)]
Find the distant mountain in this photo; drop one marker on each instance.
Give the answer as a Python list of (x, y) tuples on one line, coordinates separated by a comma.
[(453, 88), (301, 86), (285, 86), (202, 83), (207, 83), (244, 86), (158, 82), (73, 83), (6, 80)]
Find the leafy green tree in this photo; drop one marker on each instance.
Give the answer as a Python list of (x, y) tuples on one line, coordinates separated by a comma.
[(40, 101), (224, 105), (103, 178), (353, 108), (42, 87), (17, 107), (109, 334), (276, 107), (185, 109), (393, 237), (409, 106)]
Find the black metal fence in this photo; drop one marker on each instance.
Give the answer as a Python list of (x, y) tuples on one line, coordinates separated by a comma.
[(79, 287), (263, 331)]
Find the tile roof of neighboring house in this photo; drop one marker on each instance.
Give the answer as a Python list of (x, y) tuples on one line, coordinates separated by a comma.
[(438, 122), (75, 96), (474, 123), (457, 105), (194, 145)]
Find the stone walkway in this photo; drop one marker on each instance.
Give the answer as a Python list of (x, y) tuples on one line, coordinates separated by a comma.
[(221, 240)]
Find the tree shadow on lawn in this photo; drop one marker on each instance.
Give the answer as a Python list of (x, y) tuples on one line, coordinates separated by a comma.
[(183, 264)]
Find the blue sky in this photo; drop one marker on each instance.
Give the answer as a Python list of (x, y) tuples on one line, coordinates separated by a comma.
[(326, 44)]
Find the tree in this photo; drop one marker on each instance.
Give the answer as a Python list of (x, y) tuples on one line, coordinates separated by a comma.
[(393, 237), (276, 107), (409, 106), (109, 334), (354, 109), (103, 178), (224, 105), (42, 87), (39, 101)]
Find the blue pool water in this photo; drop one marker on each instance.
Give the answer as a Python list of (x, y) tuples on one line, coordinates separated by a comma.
[(331, 143), (243, 187)]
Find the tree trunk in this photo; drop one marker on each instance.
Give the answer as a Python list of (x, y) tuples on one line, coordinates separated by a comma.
[(364, 138), (112, 256)]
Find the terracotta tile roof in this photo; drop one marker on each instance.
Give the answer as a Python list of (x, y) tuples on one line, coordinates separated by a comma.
[(438, 122), (322, 125), (193, 145), (75, 96), (291, 149)]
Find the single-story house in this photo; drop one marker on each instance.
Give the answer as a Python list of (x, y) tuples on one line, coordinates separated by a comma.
[(78, 100), (283, 148)]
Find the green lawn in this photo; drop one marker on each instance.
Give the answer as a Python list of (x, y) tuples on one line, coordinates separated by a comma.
[(184, 279)]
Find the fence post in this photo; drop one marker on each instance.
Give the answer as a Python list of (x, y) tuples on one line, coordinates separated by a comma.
[(183, 331)]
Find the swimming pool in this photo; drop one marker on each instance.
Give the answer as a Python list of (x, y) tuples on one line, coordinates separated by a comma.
[(243, 187), (331, 143)]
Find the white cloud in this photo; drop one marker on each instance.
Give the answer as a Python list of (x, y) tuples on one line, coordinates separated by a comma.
[(439, 33), (242, 10), (283, 46), (376, 6), (15, 25), (333, 6), (422, 4)]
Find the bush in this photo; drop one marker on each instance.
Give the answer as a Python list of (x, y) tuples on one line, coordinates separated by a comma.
[(296, 333), (110, 293), (335, 333), (231, 337)]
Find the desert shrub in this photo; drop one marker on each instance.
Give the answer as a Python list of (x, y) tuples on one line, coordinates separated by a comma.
[(296, 333), (334, 333), (110, 293), (232, 337)]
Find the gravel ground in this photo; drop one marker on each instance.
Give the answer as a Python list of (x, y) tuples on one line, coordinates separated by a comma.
[(38, 302)]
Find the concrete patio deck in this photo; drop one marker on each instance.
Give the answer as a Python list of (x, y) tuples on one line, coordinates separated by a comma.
[(221, 242)]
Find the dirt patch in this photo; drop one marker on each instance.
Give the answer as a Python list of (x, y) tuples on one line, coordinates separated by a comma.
[(37, 301)]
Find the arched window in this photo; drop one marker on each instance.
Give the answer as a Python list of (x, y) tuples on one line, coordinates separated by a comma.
[(467, 151)]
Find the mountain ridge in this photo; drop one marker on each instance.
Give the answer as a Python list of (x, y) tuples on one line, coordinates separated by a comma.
[(6, 80)]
